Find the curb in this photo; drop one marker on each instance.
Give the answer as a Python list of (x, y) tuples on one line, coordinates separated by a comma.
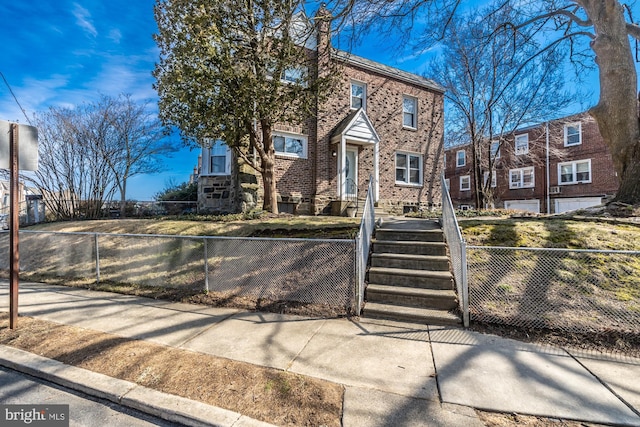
[(162, 405)]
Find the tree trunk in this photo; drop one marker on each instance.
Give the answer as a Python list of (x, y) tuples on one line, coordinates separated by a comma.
[(268, 172), (617, 110)]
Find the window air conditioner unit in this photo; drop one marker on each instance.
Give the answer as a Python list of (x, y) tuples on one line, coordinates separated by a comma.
[(555, 190)]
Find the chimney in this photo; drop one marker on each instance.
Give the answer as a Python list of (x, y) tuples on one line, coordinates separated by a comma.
[(323, 25)]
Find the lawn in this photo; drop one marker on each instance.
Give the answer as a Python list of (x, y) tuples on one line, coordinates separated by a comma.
[(326, 227), (590, 294)]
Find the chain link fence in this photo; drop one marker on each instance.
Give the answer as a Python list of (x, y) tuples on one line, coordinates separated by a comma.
[(560, 289), (299, 270)]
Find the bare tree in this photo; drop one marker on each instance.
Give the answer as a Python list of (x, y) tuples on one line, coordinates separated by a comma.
[(136, 141), (495, 83), (88, 153), (72, 174)]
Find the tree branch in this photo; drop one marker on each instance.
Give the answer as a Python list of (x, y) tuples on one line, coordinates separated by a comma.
[(633, 30)]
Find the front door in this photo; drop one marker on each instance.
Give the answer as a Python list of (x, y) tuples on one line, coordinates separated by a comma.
[(351, 173)]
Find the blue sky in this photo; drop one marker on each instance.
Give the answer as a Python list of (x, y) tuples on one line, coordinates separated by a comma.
[(63, 53)]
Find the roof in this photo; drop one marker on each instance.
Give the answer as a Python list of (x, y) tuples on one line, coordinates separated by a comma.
[(357, 127), (386, 70)]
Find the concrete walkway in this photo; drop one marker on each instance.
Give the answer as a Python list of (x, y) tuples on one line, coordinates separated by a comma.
[(393, 373)]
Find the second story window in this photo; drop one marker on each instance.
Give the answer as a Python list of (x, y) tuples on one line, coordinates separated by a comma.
[(409, 112), (495, 150), (358, 95), (522, 144), (572, 134), (295, 75), (460, 159)]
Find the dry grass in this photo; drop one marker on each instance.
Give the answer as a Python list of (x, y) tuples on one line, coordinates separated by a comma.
[(277, 226), (266, 394), (552, 233)]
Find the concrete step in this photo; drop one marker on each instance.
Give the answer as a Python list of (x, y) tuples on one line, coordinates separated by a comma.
[(397, 234), (438, 299), (411, 278), (408, 261), (409, 247), (410, 314)]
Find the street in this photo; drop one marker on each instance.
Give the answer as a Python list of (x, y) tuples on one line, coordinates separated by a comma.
[(84, 411)]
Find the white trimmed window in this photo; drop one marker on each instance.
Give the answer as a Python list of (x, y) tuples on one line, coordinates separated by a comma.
[(574, 172), (294, 75), (409, 112), (572, 134), (358, 95), (521, 178), (290, 145), (408, 168), (494, 181), (461, 159), (219, 156), (522, 144), (465, 183), (495, 149)]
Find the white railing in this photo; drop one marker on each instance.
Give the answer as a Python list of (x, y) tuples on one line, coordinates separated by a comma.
[(363, 245), (457, 251)]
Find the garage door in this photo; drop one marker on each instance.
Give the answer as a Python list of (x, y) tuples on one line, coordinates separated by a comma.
[(523, 205), (564, 205)]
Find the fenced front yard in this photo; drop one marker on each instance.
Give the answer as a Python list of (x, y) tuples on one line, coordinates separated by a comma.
[(584, 291), (308, 271)]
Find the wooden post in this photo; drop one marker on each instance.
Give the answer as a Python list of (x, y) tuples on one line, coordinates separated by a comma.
[(14, 262)]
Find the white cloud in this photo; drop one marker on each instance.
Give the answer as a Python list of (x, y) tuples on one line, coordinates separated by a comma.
[(115, 35), (83, 19)]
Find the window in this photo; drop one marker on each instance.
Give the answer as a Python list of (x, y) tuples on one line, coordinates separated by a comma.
[(460, 158), (409, 112), (219, 158), (290, 145), (294, 75), (522, 144), (494, 181), (572, 134), (574, 172), (465, 183), (521, 178), (358, 95), (495, 150), (408, 169)]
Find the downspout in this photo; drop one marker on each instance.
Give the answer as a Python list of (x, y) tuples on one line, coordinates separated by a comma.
[(547, 168)]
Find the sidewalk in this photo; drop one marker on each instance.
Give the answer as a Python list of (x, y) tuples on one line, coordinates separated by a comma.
[(388, 369)]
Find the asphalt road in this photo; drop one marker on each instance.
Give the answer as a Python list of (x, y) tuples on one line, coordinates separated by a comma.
[(84, 411)]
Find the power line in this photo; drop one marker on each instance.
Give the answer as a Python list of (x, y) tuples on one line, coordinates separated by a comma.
[(15, 98)]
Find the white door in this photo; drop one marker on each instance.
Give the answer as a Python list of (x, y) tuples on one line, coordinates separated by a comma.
[(351, 172), (575, 203), (523, 205)]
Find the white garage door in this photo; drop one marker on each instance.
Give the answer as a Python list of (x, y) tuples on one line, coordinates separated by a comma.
[(523, 205), (572, 204)]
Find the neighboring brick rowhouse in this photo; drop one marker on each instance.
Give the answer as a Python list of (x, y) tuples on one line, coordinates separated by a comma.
[(586, 155)]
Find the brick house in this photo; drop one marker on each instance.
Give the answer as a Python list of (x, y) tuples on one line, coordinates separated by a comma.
[(379, 123), (551, 167)]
